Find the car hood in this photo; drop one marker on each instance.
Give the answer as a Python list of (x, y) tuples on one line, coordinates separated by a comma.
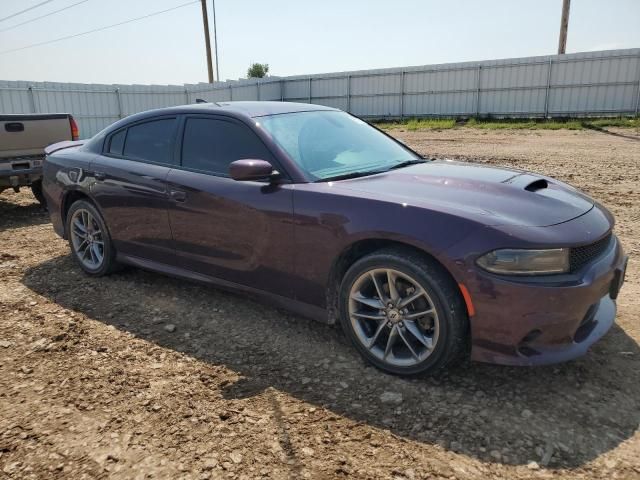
[(494, 196)]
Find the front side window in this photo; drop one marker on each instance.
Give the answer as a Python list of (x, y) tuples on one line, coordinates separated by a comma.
[(328, 144), (210, 145), (150, 141)]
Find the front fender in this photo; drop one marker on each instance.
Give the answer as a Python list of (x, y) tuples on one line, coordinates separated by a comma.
[(327, 225)]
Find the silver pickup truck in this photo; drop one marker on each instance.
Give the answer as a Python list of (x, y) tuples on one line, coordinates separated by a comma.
[(23, 139)]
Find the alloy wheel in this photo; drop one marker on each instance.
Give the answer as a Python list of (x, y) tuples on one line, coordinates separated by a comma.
[(393, 317), (87, 238)]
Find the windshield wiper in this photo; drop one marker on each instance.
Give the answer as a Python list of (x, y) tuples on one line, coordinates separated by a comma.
[(406, 164), (363, 173), (346, 176)]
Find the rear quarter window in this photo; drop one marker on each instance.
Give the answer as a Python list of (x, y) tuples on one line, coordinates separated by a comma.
[(116, 142)]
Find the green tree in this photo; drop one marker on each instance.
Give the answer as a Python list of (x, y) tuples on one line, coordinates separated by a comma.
[(258, 70)]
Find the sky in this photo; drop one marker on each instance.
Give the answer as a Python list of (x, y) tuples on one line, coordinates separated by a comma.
[(295, 37)]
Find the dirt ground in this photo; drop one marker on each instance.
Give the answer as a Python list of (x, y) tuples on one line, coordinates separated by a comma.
[(142, 376)]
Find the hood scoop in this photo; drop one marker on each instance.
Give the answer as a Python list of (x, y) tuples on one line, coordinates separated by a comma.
[(537, 185), (528, 182)]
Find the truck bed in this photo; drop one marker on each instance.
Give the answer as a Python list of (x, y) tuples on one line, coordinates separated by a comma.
[(23, 139)]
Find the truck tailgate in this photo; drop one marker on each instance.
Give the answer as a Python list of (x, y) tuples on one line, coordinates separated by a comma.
[(27, 135)]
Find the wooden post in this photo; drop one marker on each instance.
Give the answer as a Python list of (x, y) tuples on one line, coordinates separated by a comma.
[(564, 26), (207, 40)]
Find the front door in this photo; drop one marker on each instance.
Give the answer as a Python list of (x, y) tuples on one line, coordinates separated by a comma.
[(241, 232)]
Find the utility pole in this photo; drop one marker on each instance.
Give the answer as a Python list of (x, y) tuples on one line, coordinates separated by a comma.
[(215, 40), (207, 40), (564, 25)]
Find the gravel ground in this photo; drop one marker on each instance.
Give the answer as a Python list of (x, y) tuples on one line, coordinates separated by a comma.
[(142, 376)]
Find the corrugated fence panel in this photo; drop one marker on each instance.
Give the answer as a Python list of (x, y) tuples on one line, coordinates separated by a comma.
[(296, 90), (596, 99), (245, 92), (440, 104), (331, 92), (590, 83), (270, 91), (14, 97), (379, 106)]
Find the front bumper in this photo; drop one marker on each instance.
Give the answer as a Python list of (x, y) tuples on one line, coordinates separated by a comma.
[(533, 322)]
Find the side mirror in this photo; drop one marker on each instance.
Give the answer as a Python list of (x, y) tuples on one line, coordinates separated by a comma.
[(249, 169)]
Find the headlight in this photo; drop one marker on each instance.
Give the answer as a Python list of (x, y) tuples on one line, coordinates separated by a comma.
[(526, 262)]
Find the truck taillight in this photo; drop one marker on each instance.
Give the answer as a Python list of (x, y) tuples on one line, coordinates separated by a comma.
[(75, 132)]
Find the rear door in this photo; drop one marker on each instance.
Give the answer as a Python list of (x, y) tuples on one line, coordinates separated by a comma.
[(241, 232), (131, 190)]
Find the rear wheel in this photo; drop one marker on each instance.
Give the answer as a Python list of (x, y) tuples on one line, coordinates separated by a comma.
[(36, 189), (89, 239), (403, 312)]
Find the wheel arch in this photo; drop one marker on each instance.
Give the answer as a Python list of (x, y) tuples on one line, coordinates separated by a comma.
[(359, 249), (69, 198)]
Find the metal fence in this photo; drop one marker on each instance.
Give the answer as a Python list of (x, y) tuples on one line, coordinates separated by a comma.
[(579, 84)]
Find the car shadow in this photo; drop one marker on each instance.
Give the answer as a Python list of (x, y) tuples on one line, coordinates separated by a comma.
[(596, 128), (16, 213), (563, 416)]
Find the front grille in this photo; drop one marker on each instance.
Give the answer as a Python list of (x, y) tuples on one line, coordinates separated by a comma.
[(581, 256)]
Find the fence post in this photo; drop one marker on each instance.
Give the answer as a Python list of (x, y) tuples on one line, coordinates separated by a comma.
[(546, 95), (186, 96), (638, 92), (119, 102), (349, 93), (478, 91), (258, 86), (402, 95), (281, 90), (309, 89), (230, 93), (32, 99)]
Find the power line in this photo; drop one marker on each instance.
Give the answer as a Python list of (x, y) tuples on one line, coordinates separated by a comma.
[(25, 10), (42, 16), (98, 29)]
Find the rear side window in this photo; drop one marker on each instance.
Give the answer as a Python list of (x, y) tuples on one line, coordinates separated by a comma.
[(150, 141), (116, 142), (211, 145)]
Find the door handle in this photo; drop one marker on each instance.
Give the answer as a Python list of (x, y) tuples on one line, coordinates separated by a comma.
[(178, 195), (14, 127), (99, 176)]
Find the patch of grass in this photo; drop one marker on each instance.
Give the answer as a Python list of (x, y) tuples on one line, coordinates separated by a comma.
[(509, 124), (615, 122), (431, 123), (419, 124), (524, 124)]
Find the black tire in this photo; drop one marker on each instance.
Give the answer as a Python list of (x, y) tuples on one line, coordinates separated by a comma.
[(108, 264), (453, 322), (36, 189)]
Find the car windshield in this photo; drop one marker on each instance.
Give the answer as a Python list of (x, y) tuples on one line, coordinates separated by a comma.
[(333, 144)]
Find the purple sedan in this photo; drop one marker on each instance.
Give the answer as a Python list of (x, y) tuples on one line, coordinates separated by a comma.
[(422, 262)]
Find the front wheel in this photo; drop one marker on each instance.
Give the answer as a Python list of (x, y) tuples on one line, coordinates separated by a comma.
[(403, 312), (89, 239)]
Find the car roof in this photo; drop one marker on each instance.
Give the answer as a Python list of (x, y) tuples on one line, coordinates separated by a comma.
[(258, 109), (236, 109), (239, 109)]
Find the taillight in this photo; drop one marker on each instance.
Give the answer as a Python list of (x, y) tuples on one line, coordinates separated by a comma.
[(75, 132)]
